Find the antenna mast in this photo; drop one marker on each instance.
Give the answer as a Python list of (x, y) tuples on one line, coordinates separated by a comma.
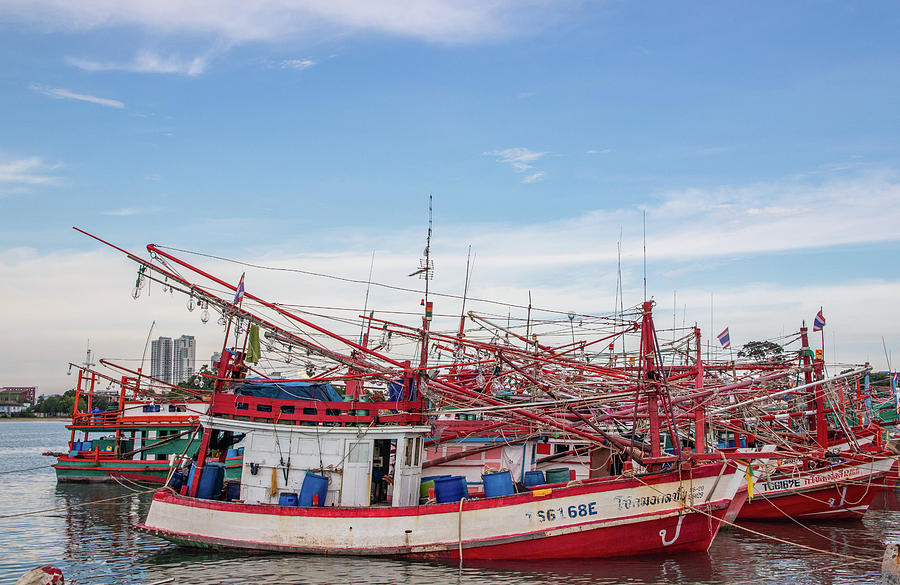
[(426, 266), (645, 255)]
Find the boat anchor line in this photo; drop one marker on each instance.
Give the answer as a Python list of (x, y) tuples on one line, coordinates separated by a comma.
[(662, 533)]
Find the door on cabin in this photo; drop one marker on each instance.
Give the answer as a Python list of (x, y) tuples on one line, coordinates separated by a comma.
[(407, 471), (357, 483)]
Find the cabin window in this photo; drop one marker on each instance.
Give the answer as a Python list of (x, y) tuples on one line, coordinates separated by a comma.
[(264, 408), (287, 410), (241, 406), (560, 448), (360, 453), (416, 451)]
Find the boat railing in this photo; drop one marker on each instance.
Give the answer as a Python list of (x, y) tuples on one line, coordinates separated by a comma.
[(95, 418), (314, 412)]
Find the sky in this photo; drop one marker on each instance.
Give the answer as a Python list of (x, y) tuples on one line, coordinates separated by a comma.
[(757, 142)]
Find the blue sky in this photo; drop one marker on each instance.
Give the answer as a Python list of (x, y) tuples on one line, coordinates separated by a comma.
[(761, 140)]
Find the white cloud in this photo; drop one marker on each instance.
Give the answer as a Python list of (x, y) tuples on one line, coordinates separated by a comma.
[(59, 93), (433, 21), (598, 151), (27, 171), (534, 177), (146, 62), (566, 265), (298, 64), (125, 211), (520, 159)]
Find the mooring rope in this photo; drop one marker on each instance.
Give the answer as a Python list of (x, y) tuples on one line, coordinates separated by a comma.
[(77, 505)]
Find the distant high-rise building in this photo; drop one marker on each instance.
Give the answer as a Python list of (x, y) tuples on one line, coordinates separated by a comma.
[(161, 359), (184, 358), (213, 360)]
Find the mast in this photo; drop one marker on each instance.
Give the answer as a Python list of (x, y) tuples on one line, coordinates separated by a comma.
[(425, 271), (699, 411), (815, 398)]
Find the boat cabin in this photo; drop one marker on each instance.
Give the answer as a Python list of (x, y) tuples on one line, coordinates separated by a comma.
[(368, 453), (364, 466)]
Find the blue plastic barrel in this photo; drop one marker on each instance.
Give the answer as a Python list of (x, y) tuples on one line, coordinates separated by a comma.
[(86, 446), (287, 499), (232, 491), (533, 478), (498, 484), (558, 475), (428, 484), (313, 484), (76, 445), (176, 481), (211, 479), (451, 489)]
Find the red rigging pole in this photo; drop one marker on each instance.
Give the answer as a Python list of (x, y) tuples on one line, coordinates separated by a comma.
[(402, 365), (699, 411), (816, 396)]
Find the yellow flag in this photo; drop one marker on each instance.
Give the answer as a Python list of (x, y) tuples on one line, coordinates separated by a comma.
[(253, 351), (748, 473)]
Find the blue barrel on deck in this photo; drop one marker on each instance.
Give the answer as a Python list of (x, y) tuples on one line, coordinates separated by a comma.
[(86, 445), (232, 491), (190, 477), (176, 481), (211, 479), (558, 475), (286, 499), (451, 489), (76, 445), (533, 478), (498, 484), (313, 484), (428, 484)]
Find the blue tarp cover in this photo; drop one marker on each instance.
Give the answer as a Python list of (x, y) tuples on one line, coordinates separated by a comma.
[(290, 390)]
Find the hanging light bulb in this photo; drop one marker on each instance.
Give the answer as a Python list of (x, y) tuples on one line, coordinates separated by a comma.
[(190, 303), (166, 285), (221, 321), (204, 316)]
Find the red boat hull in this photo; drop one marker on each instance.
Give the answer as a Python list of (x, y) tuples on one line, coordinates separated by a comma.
[(836, 500)]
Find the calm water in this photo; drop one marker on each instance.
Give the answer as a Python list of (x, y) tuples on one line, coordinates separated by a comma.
[(94, 543)]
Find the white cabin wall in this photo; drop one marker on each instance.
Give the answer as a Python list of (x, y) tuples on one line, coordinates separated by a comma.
[(306, 453)]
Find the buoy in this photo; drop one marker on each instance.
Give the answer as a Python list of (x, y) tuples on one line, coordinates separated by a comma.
[(45, 575), (890, 565)]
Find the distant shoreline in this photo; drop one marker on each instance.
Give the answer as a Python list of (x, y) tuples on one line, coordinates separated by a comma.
[(30, 419)]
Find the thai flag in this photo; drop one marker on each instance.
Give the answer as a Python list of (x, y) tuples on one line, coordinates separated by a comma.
[(239, 293), (724, 339), (819, 321)]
